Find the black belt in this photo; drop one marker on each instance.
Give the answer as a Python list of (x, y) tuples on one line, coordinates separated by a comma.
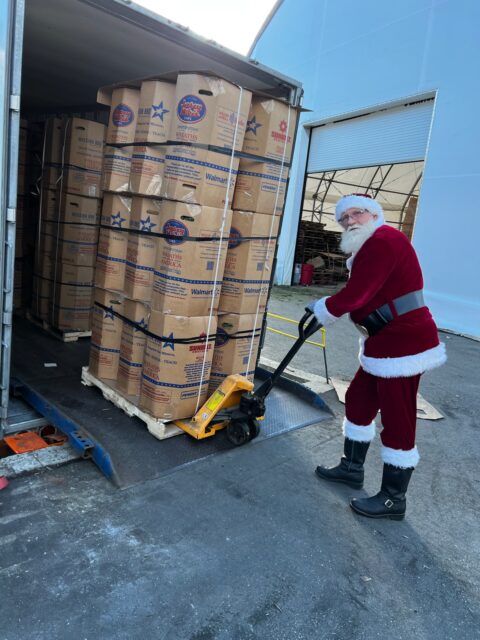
[(379, 318)]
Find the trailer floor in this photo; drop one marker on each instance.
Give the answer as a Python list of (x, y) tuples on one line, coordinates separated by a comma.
[(133, 455)]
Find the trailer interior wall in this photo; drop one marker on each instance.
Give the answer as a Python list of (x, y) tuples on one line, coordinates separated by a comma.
[(70, 49), (358, 57), (73, 47)]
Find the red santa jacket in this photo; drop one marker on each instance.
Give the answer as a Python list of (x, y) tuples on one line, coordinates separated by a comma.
[(386, 267)]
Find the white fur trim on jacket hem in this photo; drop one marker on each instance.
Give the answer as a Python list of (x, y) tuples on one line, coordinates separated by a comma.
[(400, 458), (357, 432), (322, 314), (404, 366)]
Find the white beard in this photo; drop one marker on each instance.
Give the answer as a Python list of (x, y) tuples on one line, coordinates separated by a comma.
[(354, 237)]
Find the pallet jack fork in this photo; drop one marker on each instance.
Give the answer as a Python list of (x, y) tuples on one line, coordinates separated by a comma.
[(235, 406)]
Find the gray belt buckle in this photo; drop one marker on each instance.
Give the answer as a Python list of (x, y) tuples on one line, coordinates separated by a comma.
[(362, 330)]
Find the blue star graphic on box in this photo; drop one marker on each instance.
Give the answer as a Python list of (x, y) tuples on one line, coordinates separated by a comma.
[(117, 220), (109, 313), (169, 342), (159, 111), (253, 125), (147, 224), (142, 324)]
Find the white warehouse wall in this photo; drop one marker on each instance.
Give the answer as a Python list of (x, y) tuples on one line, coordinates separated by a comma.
[(352, 56)]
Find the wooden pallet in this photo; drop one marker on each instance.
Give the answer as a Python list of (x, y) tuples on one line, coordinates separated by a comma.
[(65, 335), (158, 428)]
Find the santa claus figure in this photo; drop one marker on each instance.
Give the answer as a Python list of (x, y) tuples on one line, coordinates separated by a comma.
[(399, 342)]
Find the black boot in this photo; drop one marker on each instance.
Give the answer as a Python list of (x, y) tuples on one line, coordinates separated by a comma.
[(350, 469), (390, 501)]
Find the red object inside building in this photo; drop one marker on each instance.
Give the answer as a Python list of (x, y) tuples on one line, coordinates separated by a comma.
[(306, 276)]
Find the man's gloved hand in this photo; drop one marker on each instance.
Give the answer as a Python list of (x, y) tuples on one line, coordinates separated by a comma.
[(320, 311)]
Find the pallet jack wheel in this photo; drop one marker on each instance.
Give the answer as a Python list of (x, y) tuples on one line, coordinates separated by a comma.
[(238, 432), (254, 428)]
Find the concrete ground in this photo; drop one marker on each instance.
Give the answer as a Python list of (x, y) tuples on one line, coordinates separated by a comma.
[(249, 544)]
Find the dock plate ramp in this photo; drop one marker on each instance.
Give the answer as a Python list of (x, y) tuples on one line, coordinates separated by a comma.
[(122, 446)]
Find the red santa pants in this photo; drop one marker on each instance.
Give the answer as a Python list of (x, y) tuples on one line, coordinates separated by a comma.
[(396, 398)]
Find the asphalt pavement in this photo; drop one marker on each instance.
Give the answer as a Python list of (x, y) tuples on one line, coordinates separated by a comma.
[(249, 544)]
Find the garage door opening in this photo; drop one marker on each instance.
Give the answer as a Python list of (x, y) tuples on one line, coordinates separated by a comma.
[(380, 153), (395, 186)]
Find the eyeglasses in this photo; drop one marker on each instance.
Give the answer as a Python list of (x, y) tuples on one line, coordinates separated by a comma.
[(353, 215)]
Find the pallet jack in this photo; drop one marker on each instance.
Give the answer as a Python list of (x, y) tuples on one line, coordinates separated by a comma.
[(235, 406)]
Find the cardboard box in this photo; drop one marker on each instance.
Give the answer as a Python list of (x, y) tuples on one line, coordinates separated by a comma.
[(155, 111), (53, 136), (73, 297), (49, 207), (112, 242), (142, 248), (84, 141), (78, 244), (141, 255), (123, 115), (116, 211), (132, 348), (44, 266), (260, 187), (74, 276), (248, 267), (270, 129), (42, 286), (187, 279), (199, 176), (236, 347), (51, 176), (72, 318), (116, 169), (207, 110), (172, 382), (81, 182), (106, 334), (146, 175), (41, 297), (79, 210), (49, 238)]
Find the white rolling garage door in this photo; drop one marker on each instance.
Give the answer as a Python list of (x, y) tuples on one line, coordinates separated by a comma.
[(385, 137)]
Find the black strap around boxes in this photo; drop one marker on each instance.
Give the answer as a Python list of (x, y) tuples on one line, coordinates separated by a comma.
[(207, 147), (168, 236), (247, 333), (57, 222), (67, 284)]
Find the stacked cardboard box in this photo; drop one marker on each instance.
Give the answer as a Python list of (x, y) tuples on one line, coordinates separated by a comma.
[(69, 222), (127, 242), (25, 221), (165, 266), (258, 203)]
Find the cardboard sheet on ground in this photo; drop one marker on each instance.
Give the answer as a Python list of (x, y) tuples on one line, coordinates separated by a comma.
[(425, 410)]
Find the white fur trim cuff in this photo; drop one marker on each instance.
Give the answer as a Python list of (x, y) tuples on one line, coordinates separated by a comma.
[(322, 314), (357, 432), (400, 458), (404, 366)]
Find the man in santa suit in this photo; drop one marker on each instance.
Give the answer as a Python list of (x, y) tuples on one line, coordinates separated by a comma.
[(400, 341)]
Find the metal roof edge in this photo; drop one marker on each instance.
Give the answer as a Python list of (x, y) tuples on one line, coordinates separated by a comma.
[(267, 21)]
